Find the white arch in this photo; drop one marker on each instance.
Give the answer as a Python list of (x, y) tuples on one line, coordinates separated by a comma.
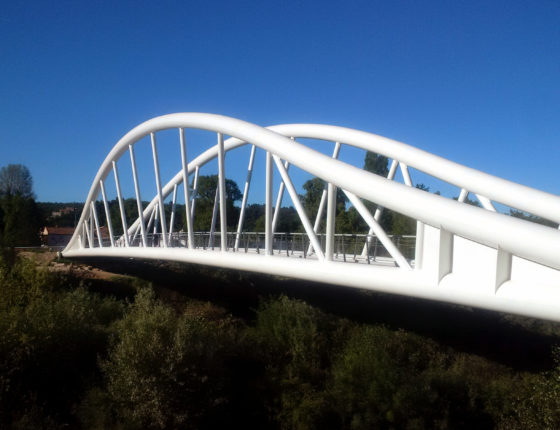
[(447, 218)]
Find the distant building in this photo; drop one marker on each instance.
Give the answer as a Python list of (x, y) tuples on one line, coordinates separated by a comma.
[(60, 236), (56, 236), (63, 211)]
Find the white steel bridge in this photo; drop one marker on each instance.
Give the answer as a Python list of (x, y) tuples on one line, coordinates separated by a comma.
[(463, 254)]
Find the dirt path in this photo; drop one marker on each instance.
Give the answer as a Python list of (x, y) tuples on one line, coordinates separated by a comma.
[(49, 260)]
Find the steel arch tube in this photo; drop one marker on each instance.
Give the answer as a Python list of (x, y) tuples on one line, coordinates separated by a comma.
[(534, 242)]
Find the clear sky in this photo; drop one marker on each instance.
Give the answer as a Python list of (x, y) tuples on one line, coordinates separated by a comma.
[(477, 82)]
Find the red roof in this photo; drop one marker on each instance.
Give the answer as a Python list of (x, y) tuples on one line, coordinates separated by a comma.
[(58, 230)]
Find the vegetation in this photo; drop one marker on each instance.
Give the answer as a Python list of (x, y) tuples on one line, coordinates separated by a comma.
[(71, 357), (126, 356), (20, 218)]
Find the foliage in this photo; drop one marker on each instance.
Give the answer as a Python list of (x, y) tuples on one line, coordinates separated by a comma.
[(20, 218), (66, 218), (376, 163), (386, 379), (149, 364), (532, 218), (50, 339), (206, 194), (15, 179), (207, 186), (20, 222), (166, 370), (298, 340)]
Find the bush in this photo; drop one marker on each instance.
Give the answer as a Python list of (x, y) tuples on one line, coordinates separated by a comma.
[(49, 343), (166, 370), (297, 342), (388, 379)]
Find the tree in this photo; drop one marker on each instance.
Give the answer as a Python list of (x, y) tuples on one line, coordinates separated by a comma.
[(205, 195), (376, 163), (313, 192), (207, 186), (20, 217), (533, 218), (311, 199), (15, 179)]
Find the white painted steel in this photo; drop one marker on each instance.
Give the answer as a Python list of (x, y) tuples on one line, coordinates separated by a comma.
[(184, 165), (268, 205), (279, 198), (97, 230), (159, 193), (319, 215), (107, 214), (222, 188), (173, 205), (514, 262), (138, 195), (195, 188), (121, 206), (299, 208), (331, 214), (245, 196)]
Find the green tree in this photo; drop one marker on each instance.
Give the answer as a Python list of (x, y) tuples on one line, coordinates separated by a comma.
[(311, 199), (533, 218), (22, 221), (376, 163), (15, 179), (20, 217), (207, 186), (205, 195)]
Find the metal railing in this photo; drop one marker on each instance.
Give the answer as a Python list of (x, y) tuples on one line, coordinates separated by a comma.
[(347, 247)]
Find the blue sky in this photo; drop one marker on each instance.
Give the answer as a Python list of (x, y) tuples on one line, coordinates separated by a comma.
[(477, 82)]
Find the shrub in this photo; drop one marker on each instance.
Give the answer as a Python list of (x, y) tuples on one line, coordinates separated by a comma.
[(166, 370), (297, 343), (388, 379), (49, 343)]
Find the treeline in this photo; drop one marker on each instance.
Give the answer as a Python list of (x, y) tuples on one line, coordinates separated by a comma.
[(71, 358), (21, 217)]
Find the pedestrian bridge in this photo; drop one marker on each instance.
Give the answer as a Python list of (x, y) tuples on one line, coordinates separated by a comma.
[(461, 253)]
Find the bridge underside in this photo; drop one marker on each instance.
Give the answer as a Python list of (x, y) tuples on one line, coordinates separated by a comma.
[(520, 295)]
